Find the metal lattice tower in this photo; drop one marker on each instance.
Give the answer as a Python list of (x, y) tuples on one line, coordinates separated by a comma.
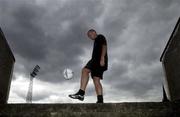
[(30, 89)]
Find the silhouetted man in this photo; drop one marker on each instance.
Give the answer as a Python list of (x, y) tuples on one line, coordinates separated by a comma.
[(96, 66)]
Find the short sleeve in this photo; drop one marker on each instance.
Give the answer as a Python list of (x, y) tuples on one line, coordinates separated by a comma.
[(103, 40)]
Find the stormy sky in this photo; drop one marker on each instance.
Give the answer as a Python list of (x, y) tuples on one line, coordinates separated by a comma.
[(52, 34)]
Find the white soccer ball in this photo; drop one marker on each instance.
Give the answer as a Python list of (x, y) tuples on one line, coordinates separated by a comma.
[(68, 74)]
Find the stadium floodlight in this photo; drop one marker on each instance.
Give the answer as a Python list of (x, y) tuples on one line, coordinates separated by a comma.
[(30, 89)]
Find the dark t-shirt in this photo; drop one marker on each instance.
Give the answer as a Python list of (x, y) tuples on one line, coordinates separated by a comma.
[(97, 50)]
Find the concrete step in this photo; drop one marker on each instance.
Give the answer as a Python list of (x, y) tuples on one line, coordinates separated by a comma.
[(133, 109)]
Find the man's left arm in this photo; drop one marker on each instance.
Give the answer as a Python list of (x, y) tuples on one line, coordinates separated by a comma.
[(103, 53)]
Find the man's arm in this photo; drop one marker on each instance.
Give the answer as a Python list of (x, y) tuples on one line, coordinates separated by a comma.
[(103, 53)]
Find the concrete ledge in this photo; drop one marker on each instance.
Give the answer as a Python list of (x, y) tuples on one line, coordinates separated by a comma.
[(133, 109)]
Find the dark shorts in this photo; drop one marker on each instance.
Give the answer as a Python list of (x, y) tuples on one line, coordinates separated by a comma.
[(98, 72)]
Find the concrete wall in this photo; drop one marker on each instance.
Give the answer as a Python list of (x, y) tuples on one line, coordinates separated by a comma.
[(133, 109), (171, 64), (6, 68)]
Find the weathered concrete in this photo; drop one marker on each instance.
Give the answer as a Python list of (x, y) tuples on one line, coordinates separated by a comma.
[(6, 67), (134, 109)]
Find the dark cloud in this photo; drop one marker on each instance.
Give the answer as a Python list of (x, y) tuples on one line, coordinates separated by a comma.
[(40, 35), (53, 35)]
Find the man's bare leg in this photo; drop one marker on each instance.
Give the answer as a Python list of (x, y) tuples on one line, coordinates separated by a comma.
[(84, 81), (98, 86), (84, 78), (99, 89)]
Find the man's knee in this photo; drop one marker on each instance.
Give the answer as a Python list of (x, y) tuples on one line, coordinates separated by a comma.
[(85, 70)]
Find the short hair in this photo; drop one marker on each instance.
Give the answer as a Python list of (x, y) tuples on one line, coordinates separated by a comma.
[(91, 30)]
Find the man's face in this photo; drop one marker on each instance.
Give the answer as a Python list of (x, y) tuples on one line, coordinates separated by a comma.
[(92, 35)]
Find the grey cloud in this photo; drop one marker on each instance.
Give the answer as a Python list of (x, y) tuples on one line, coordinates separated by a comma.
[(53, 35), (36, 38)]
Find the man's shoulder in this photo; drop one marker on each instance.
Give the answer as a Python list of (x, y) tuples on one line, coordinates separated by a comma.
[(101, 36), (101, 39)]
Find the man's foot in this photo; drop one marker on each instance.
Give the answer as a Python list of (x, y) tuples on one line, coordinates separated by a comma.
[(77, 96), (100, 99), (99, 102)]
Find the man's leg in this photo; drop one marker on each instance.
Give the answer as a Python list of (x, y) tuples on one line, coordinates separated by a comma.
[(98, 88), (84, 78), (84, 81)]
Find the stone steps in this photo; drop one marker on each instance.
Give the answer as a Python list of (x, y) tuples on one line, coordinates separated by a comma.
[(133, 109)]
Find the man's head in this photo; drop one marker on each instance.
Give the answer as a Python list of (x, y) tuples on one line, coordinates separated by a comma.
[(92, 34)]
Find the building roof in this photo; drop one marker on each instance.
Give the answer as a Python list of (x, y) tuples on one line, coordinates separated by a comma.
[(1, 33), (170, 40)]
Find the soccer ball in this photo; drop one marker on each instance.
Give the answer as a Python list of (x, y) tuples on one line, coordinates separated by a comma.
[(68, 74)]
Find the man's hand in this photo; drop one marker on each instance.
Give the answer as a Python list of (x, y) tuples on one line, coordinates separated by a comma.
[(102, 62)]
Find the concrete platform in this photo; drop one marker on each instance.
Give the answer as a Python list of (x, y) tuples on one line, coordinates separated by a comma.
[(133, 109)]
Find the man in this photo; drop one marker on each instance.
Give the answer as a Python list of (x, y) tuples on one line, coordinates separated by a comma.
[(96, 66)]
